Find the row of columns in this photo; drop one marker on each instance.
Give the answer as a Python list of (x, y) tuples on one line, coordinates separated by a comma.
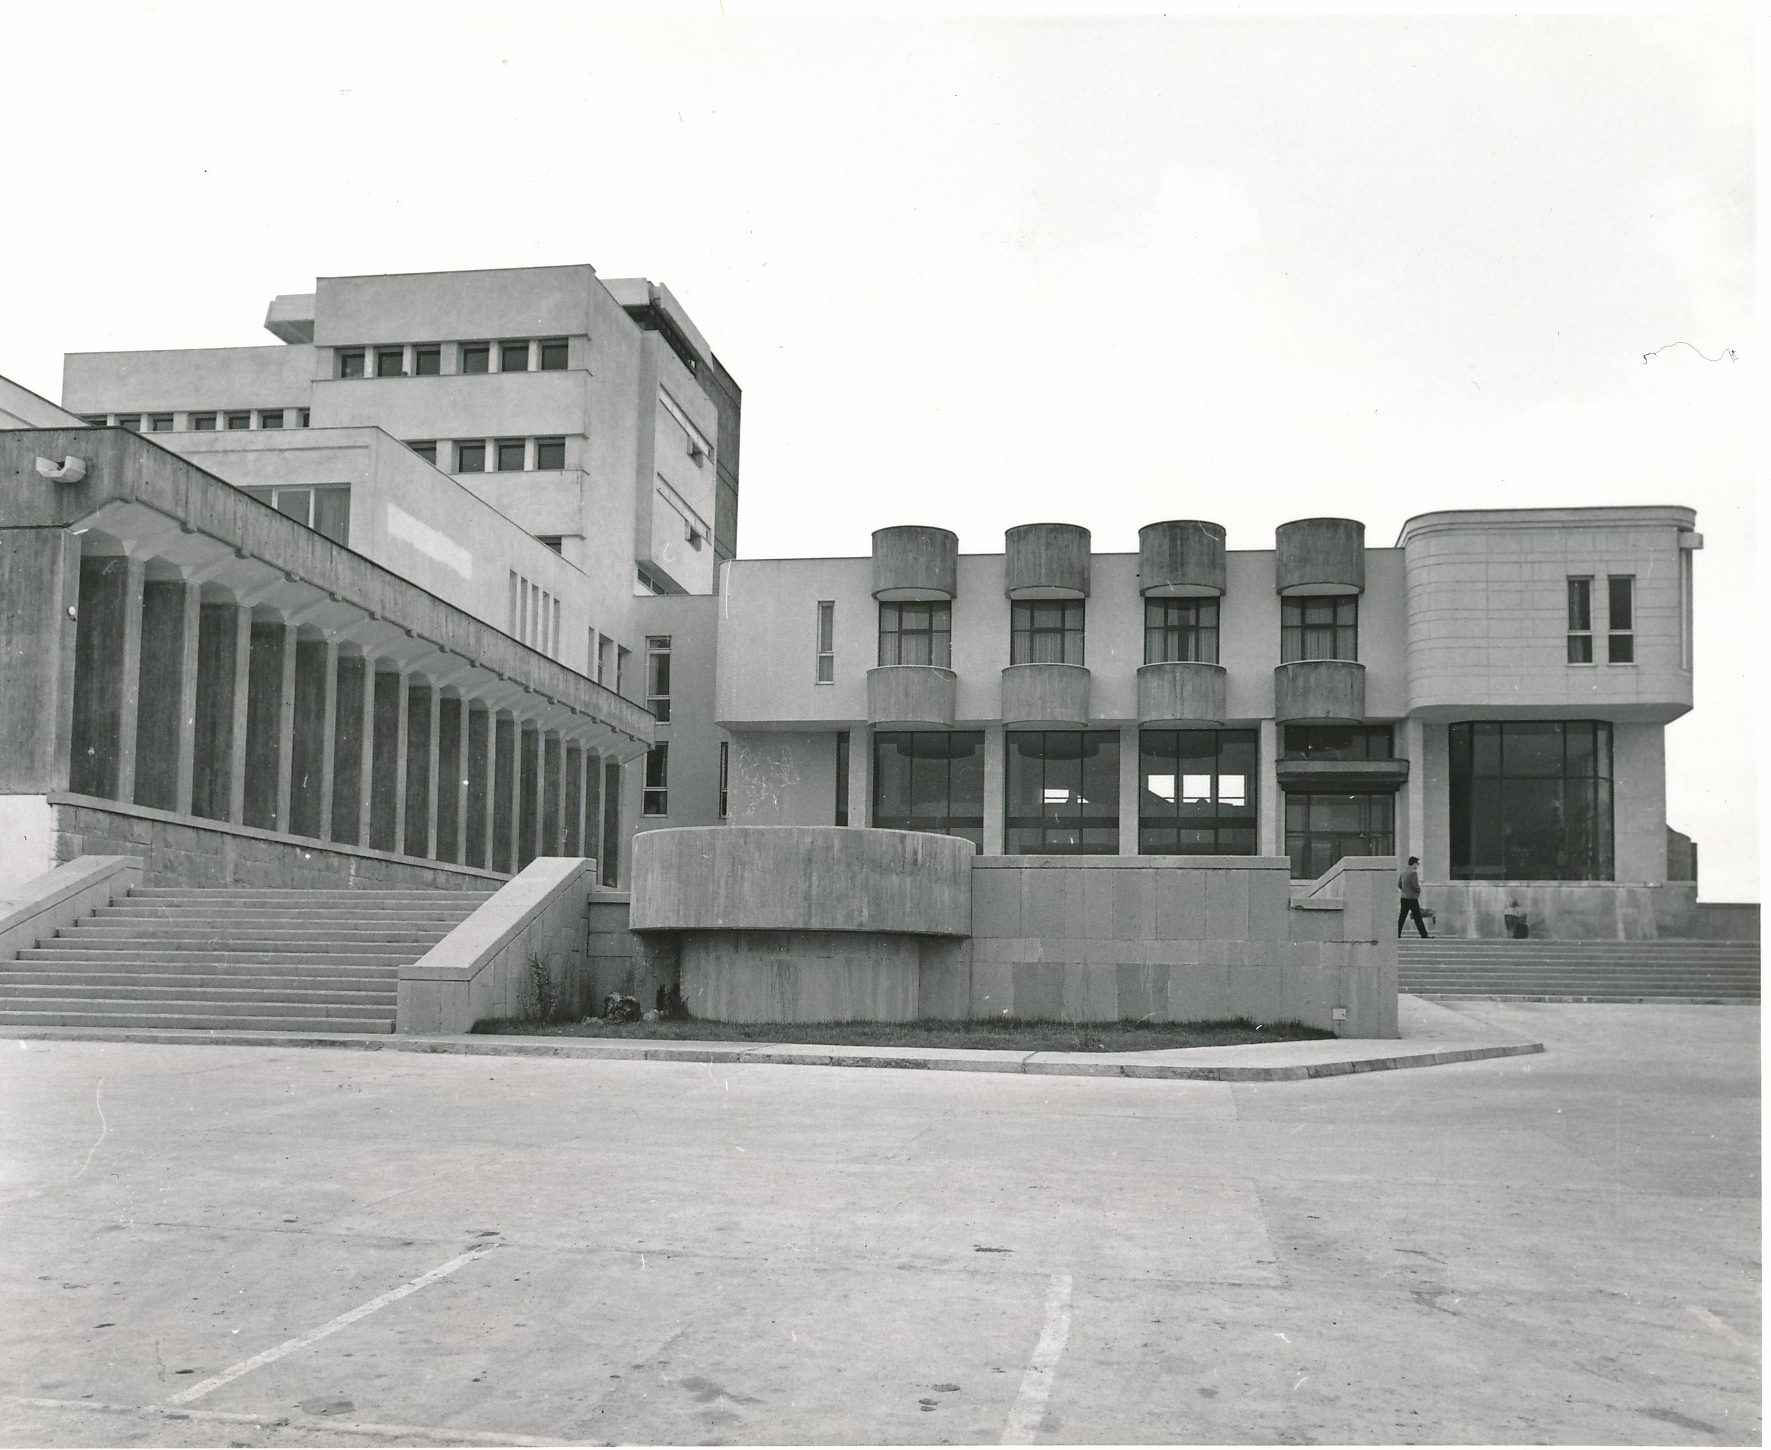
[(224, 710)]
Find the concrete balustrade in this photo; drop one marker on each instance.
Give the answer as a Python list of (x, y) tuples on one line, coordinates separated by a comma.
[(1046, 561), (1324, 691), (1182, 692), (1320, 556), (911, 695), (1045, 695), (1181, 557), (915, 562)]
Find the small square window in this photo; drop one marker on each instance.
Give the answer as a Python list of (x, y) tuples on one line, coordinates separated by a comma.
[(553, 355), (351, 363), (470, 457), (550, 452), (510, 455), (513, 357), (131, 421), (425, 448), (427, 362), (202, 422), (159, 422), (390, 362), (270, 418), (239, 420), (301, 417), (476, 357)]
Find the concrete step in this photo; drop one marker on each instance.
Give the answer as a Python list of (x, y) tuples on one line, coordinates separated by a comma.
[(295, 893), (365, 983), (243, 942), (293, 1020), (72, 953), (341, 916), (130, 928), (380, 1004)]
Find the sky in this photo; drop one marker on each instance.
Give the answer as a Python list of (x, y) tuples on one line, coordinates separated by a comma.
[(984, 270)]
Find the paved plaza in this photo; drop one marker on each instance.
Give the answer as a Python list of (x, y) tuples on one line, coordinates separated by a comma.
[(227, 1245)]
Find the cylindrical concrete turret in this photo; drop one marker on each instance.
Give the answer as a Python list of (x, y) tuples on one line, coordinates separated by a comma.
[(1046, 561), (1182, 692), (913, 561), (1181, 557), (1323, 691), (1320, 556)]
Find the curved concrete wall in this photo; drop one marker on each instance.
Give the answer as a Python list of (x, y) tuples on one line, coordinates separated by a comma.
[(800, 976), (1045, 695), (801, 878), (910, 695), (1182, 692), (1320, 556), (1046, 561), (915, 562), (1322, 690), (1181, 557)]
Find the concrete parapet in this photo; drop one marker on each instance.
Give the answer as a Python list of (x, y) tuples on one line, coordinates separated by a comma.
[(1328, 691), (1183, 692), (915, 562), (1045, 694), (35, 910), (1320, 556), (1565, 910), (1181, 557), (911, 695), (801, 976), (1046, 561), (481, 969)]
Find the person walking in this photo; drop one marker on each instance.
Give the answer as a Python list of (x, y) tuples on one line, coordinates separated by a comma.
[(1408, 883)]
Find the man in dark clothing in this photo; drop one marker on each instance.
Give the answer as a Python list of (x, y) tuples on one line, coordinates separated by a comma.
[(1408, 883)]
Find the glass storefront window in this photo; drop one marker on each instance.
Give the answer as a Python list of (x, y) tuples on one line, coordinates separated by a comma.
[(1196, 795), (1063, 793), (930, 780), (1323, 826), (1531, 800)]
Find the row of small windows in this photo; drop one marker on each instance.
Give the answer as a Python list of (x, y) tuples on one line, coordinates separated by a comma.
[(428, 359), (223, 420), (491, 455), (533, 615)]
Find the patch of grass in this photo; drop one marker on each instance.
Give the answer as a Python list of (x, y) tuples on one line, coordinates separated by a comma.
[(1008, 1034)]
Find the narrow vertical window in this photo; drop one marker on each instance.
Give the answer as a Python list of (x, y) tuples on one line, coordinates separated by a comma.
[(1580, 621), (826, 642), (1622, 619), (842, 777), (658, 676), (658, 780), (514, 615), (725, 747)]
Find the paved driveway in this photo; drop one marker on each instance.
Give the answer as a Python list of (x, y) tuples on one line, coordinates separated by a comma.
[(320, 1247)]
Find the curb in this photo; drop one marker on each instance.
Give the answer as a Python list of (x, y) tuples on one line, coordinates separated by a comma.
[(1032, 1064)]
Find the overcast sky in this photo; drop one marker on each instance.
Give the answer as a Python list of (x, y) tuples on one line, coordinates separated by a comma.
[(979, 272)]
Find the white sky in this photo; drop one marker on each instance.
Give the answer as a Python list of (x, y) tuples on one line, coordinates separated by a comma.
[(983, 271)]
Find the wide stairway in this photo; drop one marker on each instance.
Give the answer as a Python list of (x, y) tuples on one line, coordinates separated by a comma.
[(232, 959), (1581, 971)]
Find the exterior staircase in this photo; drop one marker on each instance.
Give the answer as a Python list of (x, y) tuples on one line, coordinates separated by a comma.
[(233, 959), (1580, 971)]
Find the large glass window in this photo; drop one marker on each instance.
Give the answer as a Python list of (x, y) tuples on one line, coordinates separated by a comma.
[(1196, 793), (1531, 800), (1180, 629), (930, 780), (326, 509), (1323, 826), (1063, 793), (1319, 627), (1339, 742), (1046, 632), (916, 632)]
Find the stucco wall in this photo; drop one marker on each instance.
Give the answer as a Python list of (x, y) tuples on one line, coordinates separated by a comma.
[(690, 623), (207, 379)]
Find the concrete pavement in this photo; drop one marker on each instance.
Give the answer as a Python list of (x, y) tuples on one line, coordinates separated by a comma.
[(323, 1246)]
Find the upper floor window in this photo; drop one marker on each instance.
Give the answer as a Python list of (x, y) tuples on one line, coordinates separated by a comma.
[(132, 421), (476, 357), (202, 422), (1046, 631), (162, 423), (826, 663), (1580, 620), (427, 362), (1319, 627), (270, 418), (326, 509), (425, 448), (550, 453), (97, 420), (352, 362), (390, 362), (658, 676), (553, 354), (240, 420), (510, 455), (1339, 742), (470, 457), (1180, 629), (658, 780), (725, 748), (513, 357), (1622, 619), (301, 416), (916, 632)]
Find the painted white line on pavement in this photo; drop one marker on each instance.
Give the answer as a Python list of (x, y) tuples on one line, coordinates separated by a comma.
[(332, 1326), (1721, 1326), (1036, 1384), (430, 1434)]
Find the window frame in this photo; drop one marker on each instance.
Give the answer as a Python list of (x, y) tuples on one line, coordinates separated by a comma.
[(1580, 619), (1490, 809), (551, 444), (1375, 843), (507, 349), (656, 800), (425, 448), (503, 446), (1300, 639), (476, 446), (1620, 644), (161, 422), (466, 353), (1095, 832), (1026, 634), (230, 426), (552, 346), (1172, 640), (351, 364), (395, 355), (1234, 826), (723, 806), (824, 644), (427, 353), (266, 414), (658, 670), (205, 422), (966, 745), (938, 635)]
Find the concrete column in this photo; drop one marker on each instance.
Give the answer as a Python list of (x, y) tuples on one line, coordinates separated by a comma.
[(519, 856), (310, 739), (403, 743), (460, 778), (572, 799), (1411, 825), (1271, 808), (166, 666), (477, 731), (286, 730), (242, 674), (187, 700), (1130, 792), (329, 738), (135, 575), (432, 785), (40, 582), (503, 729), (98, 678), (554, 787), (593, 808), (531, 778), (995, 789)]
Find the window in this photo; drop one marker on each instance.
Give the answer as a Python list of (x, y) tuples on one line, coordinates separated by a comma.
[(553, 354), (513, 357), (427, 362), (1531, 800), (842, 777), (1180, 629), (96, 420), (390, 362), (202, 422), (132, 421), (551, 541), (930, 780), (605, 658), (351, 362), (1063, 792), (270, 418), (1339, 742), (326, 509), (658, 676), (1319, 627), (916, 633), (162, 423), (1323, 826), (621, 657), (1045, 632), (1580, 621), (550, 453), (1621, 645), (301, 417), (425, 448), (725, 747), (658, 780), (825, 673), (1196, 792), (470, 457), (239, 420), (510, 455), (476, 357)]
